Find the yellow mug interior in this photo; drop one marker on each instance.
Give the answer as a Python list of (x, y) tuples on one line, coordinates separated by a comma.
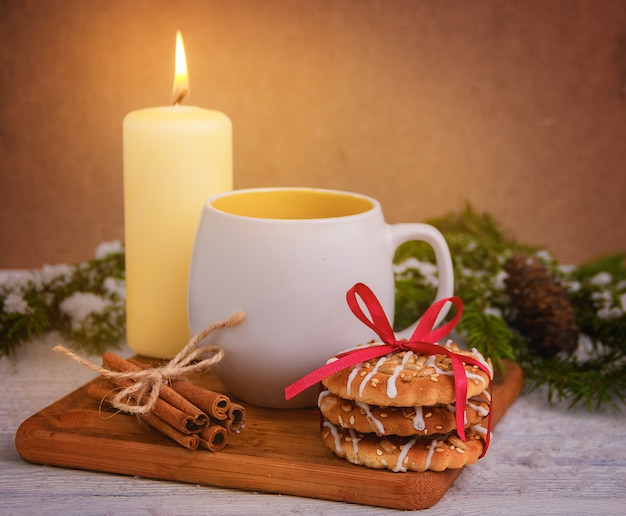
[(292, 204)]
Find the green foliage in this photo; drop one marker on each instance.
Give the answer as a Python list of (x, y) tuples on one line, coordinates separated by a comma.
[(594, 376), (486, 332), (36, 302)]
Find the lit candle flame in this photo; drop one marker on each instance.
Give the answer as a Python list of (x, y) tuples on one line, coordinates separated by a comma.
[(181, 77)]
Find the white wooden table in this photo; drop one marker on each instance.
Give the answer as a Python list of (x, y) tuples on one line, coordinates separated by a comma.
[(543, 460)]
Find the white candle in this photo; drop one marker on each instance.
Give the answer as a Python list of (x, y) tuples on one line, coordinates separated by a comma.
[(175, 157)]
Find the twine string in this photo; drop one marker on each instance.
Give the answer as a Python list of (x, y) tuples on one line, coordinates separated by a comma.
[(140, 396)]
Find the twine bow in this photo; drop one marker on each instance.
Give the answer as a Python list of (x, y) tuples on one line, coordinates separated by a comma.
[(141, 395), (423, 340)]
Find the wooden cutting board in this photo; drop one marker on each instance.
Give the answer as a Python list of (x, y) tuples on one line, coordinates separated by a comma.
[(278, 451)]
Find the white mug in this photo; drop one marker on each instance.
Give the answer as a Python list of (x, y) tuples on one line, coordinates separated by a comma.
[(287, 257)]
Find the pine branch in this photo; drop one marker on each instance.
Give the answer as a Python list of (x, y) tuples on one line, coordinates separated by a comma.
[(36, 302), (597, 291), (488, 333)]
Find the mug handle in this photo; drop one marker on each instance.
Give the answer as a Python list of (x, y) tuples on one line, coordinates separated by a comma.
[(401, 233)]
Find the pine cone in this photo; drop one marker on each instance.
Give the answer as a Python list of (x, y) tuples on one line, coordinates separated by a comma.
[(544, 313)]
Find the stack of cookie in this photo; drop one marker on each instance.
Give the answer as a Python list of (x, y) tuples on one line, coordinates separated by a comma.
[(397, 412)]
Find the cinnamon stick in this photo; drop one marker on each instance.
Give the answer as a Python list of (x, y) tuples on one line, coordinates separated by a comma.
[(189, 414), (213, 437), (104, 391), (169, 395), (175, 417), (101, 390), (236, 418), (189, 441), (213, 403)]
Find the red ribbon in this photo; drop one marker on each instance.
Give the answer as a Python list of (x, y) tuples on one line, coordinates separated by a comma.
[(423, 340)]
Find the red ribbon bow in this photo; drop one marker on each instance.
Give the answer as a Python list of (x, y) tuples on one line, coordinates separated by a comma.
[(423, 340)]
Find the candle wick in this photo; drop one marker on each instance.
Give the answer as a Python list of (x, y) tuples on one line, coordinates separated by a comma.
[(180, 97)]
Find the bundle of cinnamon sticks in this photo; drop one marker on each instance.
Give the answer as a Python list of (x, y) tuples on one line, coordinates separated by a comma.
[(187, 413)]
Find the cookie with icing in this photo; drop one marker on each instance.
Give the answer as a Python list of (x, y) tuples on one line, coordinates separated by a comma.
[(402, 454), (421, 421), (408, 379)]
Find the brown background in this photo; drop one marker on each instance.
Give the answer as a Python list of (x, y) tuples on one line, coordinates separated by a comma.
[(517, 107)]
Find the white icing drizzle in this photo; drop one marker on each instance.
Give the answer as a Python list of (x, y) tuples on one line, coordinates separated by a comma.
[(355, 443), (480, 410), (431, 450), (478, 356), (336, 436), (352, 376), (321, 396), (418, 419), (476, 376), (430, 362), (452, 408), (380, 429), (370, 374), (392, 388), (480, 430), (403, 453), (358, 366)]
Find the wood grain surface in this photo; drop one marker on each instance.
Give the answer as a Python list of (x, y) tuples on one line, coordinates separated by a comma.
[(279, 451)]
